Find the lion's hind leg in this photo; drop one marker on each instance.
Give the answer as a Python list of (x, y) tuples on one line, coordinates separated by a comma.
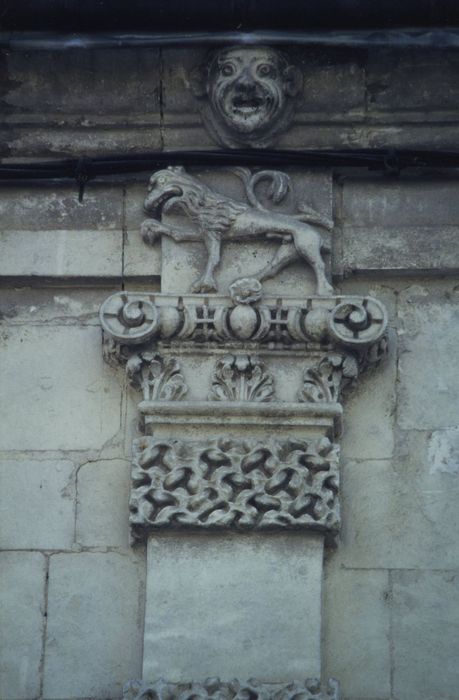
[(308, 245), (286, 254)]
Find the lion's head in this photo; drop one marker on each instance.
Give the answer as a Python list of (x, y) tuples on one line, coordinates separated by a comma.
[(169, 187)]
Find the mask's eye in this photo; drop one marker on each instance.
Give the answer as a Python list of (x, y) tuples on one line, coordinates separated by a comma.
[(227, 69), (265, 70), (161, 181)]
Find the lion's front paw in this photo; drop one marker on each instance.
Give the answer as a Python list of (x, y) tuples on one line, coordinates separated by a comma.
[(204, 285), (324, 289), (151, 230)]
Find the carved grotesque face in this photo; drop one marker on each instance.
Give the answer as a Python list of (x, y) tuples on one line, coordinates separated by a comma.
[(247, 87), (249, 90)]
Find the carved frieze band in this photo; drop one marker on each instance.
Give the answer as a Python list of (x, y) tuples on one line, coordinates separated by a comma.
[(238, 484), (215, 689), (353, 322)]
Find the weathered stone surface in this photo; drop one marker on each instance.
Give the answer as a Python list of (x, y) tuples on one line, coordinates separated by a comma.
[(98, 101), (443, 451), (368, 418), (40, 208), (412, 135), (400, 513), (28, 305), (249, 593), (413, 82), (425, 623), (97, 82), (356, 630), (20, 140), (70, 398), (139, 261), (22, 592), (103, 495), (235, 484), (333, 87), (93, 636), (61, 253), (429, 361), (37, 508), (400, 226), (214, 687)]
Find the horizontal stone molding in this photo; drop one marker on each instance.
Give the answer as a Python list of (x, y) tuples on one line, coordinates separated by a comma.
[(351, 321), (223, 483), (215, 689), (240, 414)]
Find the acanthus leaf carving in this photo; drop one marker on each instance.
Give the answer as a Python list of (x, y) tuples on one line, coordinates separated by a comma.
[(157, 377), (326, 380), (241, 378)]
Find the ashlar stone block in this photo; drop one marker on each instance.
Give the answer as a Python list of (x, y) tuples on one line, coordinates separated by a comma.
[(93, 636), (402, 512), (22, 592), (61, 253), (44, 209), (102, 508), (425, 624), (257, 597), (400, 226), (429, 361), (37, 504), (356, 630), (70, 399)]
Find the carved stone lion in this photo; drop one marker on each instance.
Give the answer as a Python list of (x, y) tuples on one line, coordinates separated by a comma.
[(247, 94), (218, 218)]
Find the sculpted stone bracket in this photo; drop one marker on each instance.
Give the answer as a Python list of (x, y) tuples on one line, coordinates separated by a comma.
[(267, 403), (215, 689)]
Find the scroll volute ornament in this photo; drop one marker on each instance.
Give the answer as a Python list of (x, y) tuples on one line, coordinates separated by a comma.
[(246, 94)]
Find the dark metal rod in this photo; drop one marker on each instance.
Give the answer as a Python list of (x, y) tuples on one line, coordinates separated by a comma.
[(85, 168), (432, 38)]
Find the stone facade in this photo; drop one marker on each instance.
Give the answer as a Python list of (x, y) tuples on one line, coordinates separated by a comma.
[(76, 593)]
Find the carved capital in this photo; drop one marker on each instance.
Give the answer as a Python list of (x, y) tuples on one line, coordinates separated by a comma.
[(215, 689), (352, 323)]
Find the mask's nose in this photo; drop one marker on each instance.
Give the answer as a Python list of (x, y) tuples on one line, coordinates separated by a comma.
[(245, 81)]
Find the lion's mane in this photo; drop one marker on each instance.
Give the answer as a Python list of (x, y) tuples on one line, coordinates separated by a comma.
[(208, 212)]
